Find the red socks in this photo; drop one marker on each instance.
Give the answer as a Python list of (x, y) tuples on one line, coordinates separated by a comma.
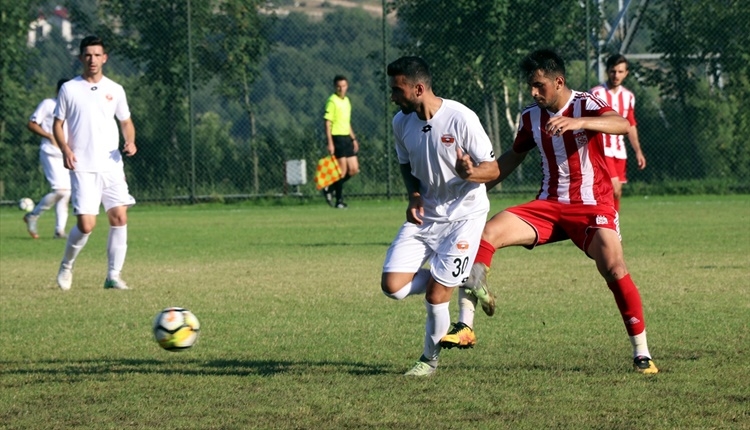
[(629, 302), (485, 253)]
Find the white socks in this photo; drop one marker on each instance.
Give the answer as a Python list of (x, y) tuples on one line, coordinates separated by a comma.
[(117, 248), (61, 210), (467, 304), (438, 323), (59, 199), (76, 242), (640, 345)]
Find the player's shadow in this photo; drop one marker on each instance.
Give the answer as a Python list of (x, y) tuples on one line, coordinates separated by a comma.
[(83, 368)]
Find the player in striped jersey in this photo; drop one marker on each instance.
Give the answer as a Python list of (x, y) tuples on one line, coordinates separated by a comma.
[(622, 101), (575, 199)]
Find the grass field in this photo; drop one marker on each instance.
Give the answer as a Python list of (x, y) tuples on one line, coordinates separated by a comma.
[(296, 333)]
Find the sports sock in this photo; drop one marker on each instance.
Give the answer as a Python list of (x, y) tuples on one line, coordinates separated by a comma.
[(117, 248), (640, 345), (418, 285), (629, 302), (437, 325), (61, 210), (74, 245), (467, 304), (45, 203), (432, 363), (485, 253), (338, 188)]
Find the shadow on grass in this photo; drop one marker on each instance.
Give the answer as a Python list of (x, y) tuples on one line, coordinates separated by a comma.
[(73, 368)]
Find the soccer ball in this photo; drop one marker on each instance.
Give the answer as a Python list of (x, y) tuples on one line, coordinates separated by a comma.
[(26, 204), (176, 329)]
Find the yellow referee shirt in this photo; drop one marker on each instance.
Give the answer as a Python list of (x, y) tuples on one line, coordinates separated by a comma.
[(339, 112)]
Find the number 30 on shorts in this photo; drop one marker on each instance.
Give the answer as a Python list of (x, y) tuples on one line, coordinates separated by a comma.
[(461, 264)]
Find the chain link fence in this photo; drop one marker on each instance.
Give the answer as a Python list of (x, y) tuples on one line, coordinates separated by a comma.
[(225, 93)]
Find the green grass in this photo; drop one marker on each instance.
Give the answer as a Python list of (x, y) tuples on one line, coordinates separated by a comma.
[(296, 333)]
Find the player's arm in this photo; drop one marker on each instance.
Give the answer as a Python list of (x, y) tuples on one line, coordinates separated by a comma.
[(415, 210), (128, 134), (636, 144), (506, 164), (39, 131), (69, 159), (355, 142), (481, 173), (609, 122), (329, 136)]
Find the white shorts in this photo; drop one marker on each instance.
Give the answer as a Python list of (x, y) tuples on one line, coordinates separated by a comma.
[(51, 160), (450, 248), (92, 189)]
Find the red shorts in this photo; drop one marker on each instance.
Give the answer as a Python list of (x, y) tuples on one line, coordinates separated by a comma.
[(617, 168), (555, 221)]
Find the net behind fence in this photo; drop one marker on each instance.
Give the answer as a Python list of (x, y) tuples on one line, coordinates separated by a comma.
[(225, 94)]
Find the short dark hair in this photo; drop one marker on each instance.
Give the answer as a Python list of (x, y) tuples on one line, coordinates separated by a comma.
[(616, 59), (545, 60), (338, 78), (415, 69), (92, 41), (60, 83)]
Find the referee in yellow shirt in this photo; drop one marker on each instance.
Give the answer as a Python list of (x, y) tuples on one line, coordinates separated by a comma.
[(342, 142)]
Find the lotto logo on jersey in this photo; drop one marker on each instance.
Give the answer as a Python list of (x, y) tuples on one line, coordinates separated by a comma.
[(462, 246), (447, 139), (601, 220), (109, 97)]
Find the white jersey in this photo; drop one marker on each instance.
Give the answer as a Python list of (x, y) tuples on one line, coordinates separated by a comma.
[(44, 115), (89, 109), (429, 147)]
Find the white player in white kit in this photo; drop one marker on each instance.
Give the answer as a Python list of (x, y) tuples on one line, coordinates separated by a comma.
[(445, 157), (51, 159), (88, 105)]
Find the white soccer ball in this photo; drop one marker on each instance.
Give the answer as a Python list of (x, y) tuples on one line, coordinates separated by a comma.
[(176, 329), (26, 204)]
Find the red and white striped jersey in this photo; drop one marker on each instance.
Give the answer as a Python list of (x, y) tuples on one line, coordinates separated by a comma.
[(573, 164), (623, 102)]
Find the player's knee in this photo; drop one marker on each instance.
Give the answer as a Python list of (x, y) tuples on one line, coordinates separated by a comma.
[(614, 270), (86, 227)]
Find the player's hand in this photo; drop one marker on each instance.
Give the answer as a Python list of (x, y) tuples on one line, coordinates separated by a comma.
[(641, 160), (129, 149), (69, 159), (415, 211), (557, 125), (464, 164), (331, 149)]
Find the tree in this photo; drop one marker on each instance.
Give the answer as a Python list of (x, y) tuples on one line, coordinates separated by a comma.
[(234, 49), (704, 76), (475, 47), (154, 36)]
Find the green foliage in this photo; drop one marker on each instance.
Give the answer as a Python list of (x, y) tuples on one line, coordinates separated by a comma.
[(703, 83), (261, 81), (304, 346)]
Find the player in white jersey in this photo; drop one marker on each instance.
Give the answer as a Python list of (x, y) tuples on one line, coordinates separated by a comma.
[(622, 101), (88, 105), (51, 160), (445, 157)]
